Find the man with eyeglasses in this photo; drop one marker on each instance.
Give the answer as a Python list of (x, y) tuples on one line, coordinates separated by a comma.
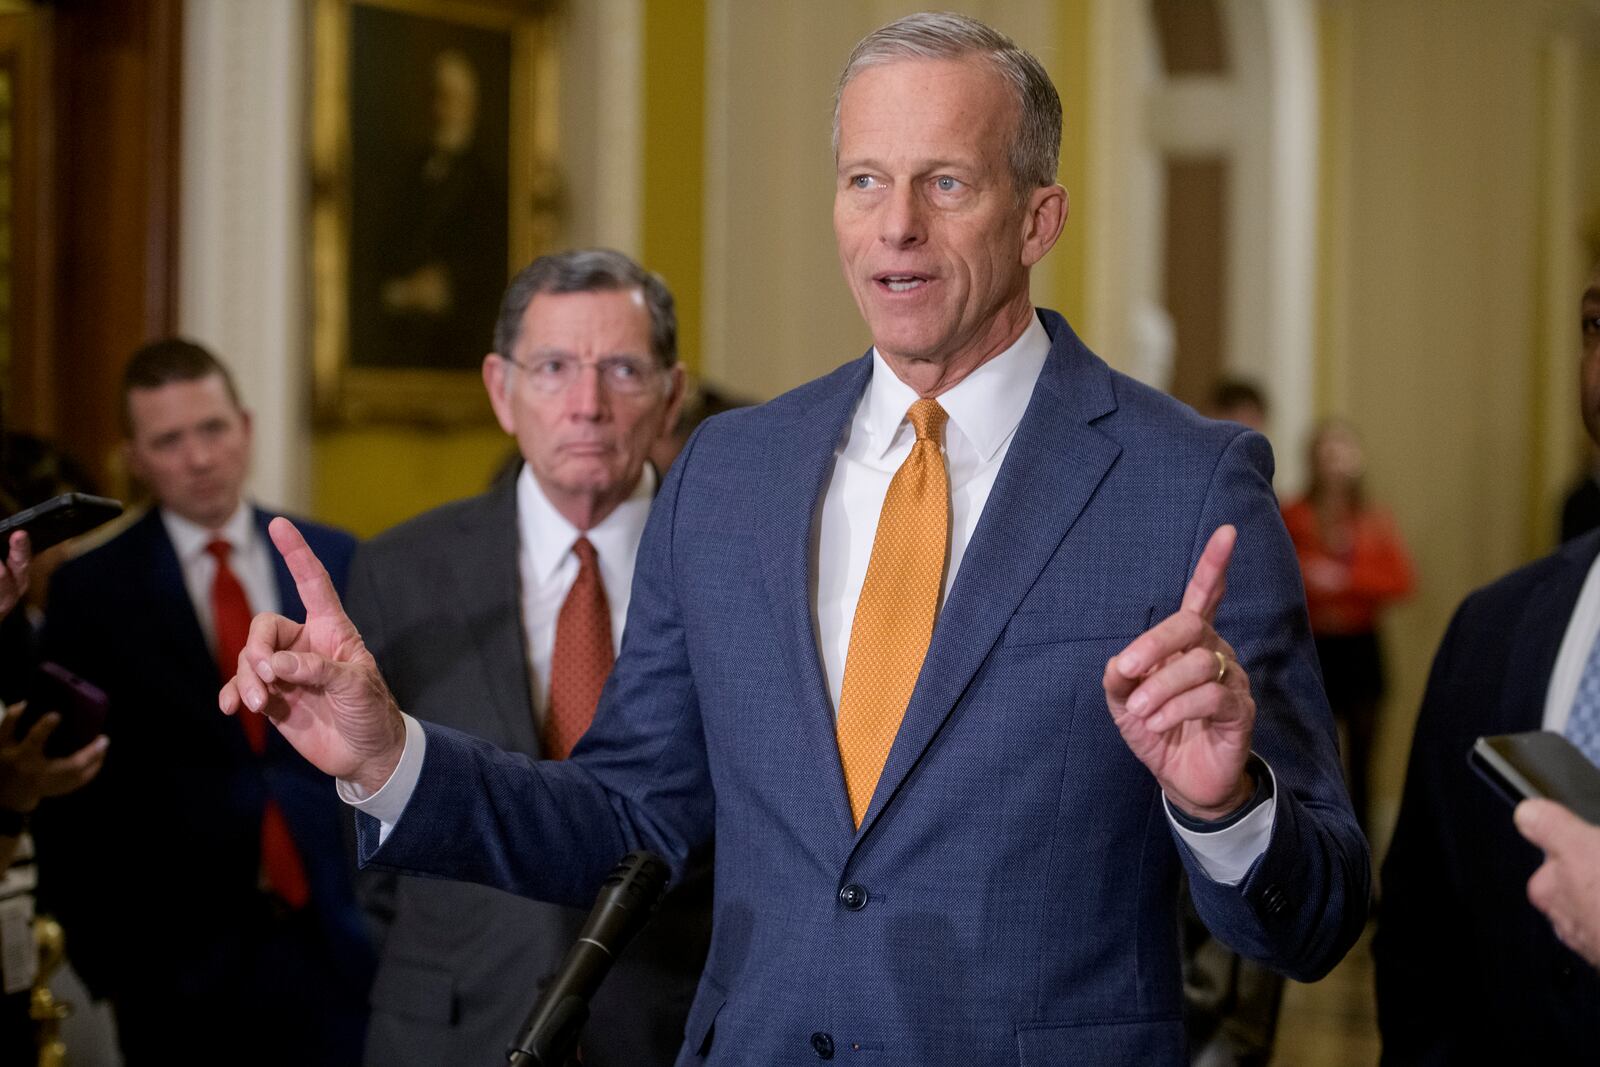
[(499, 616)]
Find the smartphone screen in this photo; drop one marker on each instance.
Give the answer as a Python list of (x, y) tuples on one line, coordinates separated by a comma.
[(1539, 763), (59, 518)]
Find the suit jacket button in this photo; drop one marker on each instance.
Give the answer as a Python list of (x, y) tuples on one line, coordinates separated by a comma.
[(822, 1045), (853, 897), (1274, 900)]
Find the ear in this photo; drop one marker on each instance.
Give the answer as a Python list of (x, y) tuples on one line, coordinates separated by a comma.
[(496, 380), (677, 389), (1041, 226)]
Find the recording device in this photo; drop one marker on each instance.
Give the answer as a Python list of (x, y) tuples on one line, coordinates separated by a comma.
[(1539, 763), (627, 897), (59, 518), (82, 705)]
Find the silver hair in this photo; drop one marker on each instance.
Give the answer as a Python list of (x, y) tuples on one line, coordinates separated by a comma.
[(589, 270), (1035, 151)]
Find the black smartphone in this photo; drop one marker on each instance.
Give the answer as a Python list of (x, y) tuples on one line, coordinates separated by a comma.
[(82, 705), (1539, 764), (59, 518)]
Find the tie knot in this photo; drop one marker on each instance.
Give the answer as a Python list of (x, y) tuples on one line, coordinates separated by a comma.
[(220, 550), (585, 552), (928, 419)]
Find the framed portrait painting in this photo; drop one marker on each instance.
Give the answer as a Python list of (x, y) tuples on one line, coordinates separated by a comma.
[(433, 156)]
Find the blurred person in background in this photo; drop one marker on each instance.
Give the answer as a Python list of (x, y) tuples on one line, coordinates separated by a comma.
[(206, 872), (1354, 564), (1239, 400), (499, 615)]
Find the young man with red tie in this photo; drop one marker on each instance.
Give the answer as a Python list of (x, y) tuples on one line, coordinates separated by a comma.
[(206, 872)]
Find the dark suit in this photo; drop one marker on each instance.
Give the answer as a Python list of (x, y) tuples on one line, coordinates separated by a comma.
[(437, 600), (154, 868), (1010, 894), (1468, 971)]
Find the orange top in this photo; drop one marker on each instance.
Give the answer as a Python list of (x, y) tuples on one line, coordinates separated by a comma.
[(1345, 589)]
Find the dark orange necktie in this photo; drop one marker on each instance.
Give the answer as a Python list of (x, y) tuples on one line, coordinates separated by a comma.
[(899, 601), (581, 658), (281, 866)]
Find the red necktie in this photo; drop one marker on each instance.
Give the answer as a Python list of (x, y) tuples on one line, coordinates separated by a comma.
[(582, 656), (281, 867)]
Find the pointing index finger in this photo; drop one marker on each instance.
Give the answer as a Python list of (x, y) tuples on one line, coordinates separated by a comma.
[(1210, 578), (310, 576)]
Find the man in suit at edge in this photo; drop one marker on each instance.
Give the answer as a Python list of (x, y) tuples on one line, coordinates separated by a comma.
[(207, 873), (974, 860), (465, 609), (1467, 970)]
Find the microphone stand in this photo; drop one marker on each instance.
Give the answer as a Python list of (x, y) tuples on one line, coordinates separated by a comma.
[(627, 897)]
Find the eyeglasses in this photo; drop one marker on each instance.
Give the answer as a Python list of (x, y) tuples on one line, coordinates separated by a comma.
[(621, 375)]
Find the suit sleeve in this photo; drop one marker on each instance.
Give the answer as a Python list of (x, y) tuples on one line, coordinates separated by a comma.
[(552, 830), (1422, 951), (1304, 901), (375, 889)]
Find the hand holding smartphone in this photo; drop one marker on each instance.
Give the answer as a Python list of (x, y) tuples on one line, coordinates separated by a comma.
[(81, 704), (59, 518)]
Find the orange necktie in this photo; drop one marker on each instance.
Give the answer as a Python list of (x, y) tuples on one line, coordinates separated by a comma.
[(281, 866), (899, 601), (581, 658)]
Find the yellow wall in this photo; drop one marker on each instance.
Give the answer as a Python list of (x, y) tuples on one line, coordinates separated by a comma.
[(674, 150), (1070, 66)]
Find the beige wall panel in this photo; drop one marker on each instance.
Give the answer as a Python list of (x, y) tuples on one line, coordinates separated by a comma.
[(1435, 355)]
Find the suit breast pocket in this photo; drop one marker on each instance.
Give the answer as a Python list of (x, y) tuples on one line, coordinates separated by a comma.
[(1116, 623)]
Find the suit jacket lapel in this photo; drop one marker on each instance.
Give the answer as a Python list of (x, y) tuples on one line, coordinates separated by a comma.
[(1536, 639), (798, 463), (486, 595), (1055, 462)]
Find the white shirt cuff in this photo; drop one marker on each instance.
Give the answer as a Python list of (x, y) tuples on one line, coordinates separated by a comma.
[(1228, 854), (389, 802)]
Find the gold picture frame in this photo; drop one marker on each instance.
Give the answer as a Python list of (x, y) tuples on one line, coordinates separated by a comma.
[(434, 175)]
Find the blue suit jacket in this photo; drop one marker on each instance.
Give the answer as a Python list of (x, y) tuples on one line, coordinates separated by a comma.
[(1468, 971), (1009, 896), (151, 865)]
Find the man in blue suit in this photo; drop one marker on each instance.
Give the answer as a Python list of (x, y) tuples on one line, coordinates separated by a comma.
[(950, 801), (206, 873)]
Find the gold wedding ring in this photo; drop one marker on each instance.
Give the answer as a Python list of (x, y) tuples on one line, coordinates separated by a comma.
[(1222, 666)]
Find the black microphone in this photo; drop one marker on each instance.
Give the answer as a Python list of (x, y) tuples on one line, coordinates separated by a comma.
[(627, 897)]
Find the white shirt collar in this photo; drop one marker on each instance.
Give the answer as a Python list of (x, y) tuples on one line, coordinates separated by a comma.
[(189, 539), (547, 536), (985, 406)]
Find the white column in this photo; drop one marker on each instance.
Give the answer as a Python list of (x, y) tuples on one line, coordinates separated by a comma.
[(242, 229)]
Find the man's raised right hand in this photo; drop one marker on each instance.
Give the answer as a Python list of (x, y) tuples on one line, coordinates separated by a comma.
[(316, 681)]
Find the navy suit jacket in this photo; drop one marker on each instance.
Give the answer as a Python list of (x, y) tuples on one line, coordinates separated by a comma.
[(1010, 894), (152, 864), (1468, 971)]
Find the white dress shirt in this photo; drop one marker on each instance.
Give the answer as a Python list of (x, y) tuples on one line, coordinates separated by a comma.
[(249, 559), (984, 411), (548, 567), (1582, 630)]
